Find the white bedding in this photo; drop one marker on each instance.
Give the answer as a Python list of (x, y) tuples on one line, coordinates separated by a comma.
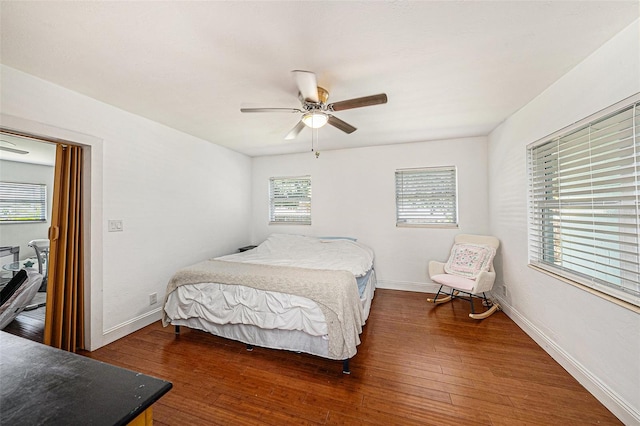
[(299, 324), (309, 252), (269, 318), (236, 304)]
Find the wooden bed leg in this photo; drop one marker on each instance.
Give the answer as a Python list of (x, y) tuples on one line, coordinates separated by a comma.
[(249, 348), (345, 367), (177, 329)]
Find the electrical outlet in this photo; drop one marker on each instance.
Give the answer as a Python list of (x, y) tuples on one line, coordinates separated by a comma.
[(504, 290), (153, 299), (115, 226)]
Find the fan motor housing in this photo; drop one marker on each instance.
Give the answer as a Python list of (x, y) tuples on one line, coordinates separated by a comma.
[(323, 95)]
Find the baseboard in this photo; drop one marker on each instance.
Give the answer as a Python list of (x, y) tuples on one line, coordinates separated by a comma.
[(421, 287), (114, 333), (625, 412)]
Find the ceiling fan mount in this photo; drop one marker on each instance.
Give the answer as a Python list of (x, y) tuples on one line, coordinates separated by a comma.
[(315, 110)]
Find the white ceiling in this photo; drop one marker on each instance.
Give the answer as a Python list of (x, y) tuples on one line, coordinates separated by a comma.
[(450, 69)]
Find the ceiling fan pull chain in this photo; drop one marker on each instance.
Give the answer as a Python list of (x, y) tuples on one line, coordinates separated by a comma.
[(312, 140), (314, 132)]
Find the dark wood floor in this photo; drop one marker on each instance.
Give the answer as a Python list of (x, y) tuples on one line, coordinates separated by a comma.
[(29, 324), (417, 365)]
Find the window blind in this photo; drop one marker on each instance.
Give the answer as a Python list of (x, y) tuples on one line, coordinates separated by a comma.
[(23, 202), (583, 204), (290, 200), (426, 196)]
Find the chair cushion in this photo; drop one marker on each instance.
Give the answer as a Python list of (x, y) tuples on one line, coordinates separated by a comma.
[(468, 260), (454, 281)]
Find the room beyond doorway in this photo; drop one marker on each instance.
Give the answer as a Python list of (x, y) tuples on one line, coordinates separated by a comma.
[(27, 175)]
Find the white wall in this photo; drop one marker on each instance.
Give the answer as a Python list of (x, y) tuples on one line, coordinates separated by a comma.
[(181, 199), (19, 234), (353, 194), (596, 340)]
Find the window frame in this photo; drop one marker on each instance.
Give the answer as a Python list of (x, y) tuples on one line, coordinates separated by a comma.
[(620, 294), (28, 205), (301, 215), (429, 218)]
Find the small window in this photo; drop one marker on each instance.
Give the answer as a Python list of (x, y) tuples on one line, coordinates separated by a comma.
[(583, 204), (427, 197), (290, 200), (23, 202)]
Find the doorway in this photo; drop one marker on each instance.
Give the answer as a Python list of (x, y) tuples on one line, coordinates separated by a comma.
[(92, 211), (60, 255)]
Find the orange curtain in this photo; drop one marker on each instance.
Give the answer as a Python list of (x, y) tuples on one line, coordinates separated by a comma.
[(64, 321)]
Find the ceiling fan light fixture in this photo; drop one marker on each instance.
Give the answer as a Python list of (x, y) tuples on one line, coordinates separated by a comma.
[(315, 119)]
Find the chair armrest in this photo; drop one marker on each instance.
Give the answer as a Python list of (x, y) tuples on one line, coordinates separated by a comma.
[(484, 282), (435, 268)]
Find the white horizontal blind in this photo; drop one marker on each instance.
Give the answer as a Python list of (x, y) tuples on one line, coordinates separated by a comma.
[(23, 202), (426, 196), (583, 204), (290, 200)]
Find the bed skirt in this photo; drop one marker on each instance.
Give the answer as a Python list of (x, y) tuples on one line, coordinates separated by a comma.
[(291, 340)]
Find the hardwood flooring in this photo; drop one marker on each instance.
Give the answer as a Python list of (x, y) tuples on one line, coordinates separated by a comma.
[(418, 364), (30, 324)]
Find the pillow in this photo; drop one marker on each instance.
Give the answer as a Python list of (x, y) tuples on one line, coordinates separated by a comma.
[(13, 285), (338, 238), (468, 260)]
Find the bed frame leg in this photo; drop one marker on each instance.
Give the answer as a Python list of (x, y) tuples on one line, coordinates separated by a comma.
[(177, 329), (249, 348), (345, 367)]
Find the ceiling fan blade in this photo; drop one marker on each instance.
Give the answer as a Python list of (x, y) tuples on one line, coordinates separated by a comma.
[(359, 102), (307, 85), (14, 150), (295, 131), (339, 124), (270, 110)]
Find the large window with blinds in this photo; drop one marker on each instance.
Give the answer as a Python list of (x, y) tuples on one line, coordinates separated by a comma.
[(583, 203), (23, 202), (427, 197), (290, 200)]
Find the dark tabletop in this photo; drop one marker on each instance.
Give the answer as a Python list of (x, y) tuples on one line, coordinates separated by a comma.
[(40, 385)]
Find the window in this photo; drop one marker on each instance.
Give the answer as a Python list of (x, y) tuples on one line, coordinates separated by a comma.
[(23, 202), (426, 197), (583, 203), (290, 200)]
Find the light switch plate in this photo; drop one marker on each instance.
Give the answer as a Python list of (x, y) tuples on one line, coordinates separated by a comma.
[(115, 226)]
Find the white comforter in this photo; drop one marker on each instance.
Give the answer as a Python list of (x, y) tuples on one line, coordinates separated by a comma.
[(309, 252)]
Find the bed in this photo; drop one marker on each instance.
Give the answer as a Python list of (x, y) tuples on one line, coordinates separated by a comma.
[(292, 292)]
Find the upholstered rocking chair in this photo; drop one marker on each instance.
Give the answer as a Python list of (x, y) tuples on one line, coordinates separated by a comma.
[(469, 270)]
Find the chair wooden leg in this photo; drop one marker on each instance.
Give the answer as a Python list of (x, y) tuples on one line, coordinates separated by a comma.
[(440, 300), (486, 313)]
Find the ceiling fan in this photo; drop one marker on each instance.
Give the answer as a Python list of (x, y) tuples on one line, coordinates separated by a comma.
[(7, 146), (315, 110)]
